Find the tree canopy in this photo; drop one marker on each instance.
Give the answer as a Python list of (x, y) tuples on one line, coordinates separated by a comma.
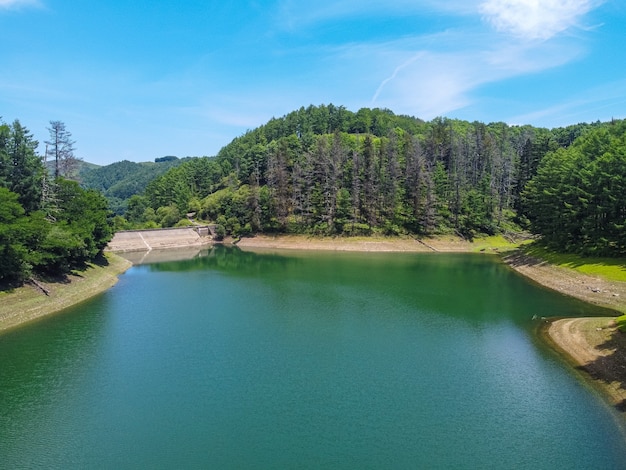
[(46, 226), (577, 199), (327, 170)]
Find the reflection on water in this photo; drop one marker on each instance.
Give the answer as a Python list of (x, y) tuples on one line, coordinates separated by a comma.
[(162, 256)]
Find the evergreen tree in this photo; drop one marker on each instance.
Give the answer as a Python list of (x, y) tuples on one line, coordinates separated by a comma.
[(60, 148), (21, 170)]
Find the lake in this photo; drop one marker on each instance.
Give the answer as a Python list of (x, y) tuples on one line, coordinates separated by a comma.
[(291, 359)]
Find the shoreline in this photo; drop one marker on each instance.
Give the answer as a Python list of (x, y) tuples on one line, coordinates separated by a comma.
[(595, 349), (359, 244), (28, 303)]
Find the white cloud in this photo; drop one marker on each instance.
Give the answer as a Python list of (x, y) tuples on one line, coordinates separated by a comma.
[(535, 19), (430, 83)]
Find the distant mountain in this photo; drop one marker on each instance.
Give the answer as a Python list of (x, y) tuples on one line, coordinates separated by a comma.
[(82, 167), (121, 180)]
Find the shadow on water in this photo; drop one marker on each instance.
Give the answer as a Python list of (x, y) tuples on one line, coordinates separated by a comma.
[(161, 256)]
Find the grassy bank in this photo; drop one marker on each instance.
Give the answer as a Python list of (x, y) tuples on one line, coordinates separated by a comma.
[(612, 269), (599, 281), (28, 303)]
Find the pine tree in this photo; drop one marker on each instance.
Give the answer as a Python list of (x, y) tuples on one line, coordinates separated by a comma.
[(61, 149)]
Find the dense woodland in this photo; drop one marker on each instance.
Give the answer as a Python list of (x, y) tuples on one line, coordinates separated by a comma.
[(325, 170), (48, 223), (328, 171)]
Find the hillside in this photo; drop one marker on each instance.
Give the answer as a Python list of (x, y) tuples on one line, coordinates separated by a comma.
[(325, 170), (330, 171), (121, 180)]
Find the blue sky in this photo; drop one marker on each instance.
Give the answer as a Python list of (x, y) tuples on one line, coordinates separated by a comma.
[(143, 79)]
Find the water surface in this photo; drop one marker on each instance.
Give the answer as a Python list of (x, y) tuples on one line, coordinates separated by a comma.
[(303, 360)]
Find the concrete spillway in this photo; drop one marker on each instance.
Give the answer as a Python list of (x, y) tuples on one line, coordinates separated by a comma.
[(158, 239)]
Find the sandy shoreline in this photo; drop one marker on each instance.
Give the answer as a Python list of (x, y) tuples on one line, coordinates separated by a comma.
[(301, 242), (596, 349)]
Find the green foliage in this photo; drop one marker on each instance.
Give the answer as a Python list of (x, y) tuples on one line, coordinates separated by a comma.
[(168, 216), (122, 180), (220, 232), (327, 170), (46, 225), (576, 200), (184, 223), (21, 170), (621, 323), (20, 235), (79, 234)]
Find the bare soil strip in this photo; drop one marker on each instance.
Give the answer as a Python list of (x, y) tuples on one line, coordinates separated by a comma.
[(30, 302), (592, 289), (596, 348), (365, 244)]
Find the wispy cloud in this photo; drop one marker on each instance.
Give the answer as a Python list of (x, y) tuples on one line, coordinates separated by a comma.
[(536, 19), (395, 74), (444, 74), (291, 14), (430, 79), (15, 4), (597, 102)]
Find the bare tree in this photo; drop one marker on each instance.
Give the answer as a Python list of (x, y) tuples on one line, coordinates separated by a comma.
[(61, 149)]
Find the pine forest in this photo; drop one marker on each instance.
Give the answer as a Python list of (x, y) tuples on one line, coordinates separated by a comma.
[(323, 170)]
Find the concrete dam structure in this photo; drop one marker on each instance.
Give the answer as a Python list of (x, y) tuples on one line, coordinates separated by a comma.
[(160, 239)]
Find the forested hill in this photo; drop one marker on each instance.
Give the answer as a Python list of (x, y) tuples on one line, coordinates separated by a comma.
[(119, 181), (327, 170)]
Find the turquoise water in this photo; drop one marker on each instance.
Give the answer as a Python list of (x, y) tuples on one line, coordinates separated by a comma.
[(303, 360)]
